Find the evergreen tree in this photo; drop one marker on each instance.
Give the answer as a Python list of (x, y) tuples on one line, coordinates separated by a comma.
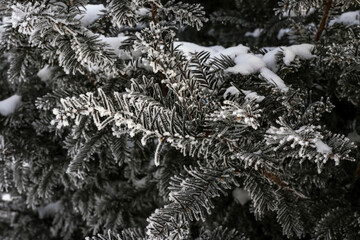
[(150, 119)]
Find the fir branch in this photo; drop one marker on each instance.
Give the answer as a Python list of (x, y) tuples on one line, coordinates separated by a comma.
[(323, 20)]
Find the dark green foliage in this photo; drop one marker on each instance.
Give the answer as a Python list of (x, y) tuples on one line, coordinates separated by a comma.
[(125, 131)]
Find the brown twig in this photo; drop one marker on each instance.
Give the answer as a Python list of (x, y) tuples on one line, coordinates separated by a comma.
[(275, 179), (154, 13), (323, 20)]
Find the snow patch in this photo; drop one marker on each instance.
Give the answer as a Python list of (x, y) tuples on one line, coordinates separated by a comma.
[(115, 43), (233, 52), (231, 91), (322, 147), (9, 105), (241, 196), (143, 12), (188, 48), (302, 51), (91, 14), (270, 58), (252, 96), (282, 32), (256, 33), (273, 78), (45, 73), (6, 197), (347, 18), (246, 64)]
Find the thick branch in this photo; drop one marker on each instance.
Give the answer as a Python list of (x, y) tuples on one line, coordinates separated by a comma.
[(323, 20)]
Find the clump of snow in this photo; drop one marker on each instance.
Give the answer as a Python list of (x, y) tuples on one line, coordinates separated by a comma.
[(246, 64), (142, 12), (187, 48), (302, 51), (252, 96), (273, 78), (282, 32), (256, 33), (6, 197), (91, 14), (347, 18), (241, 196), (322, 147), (9, 105), (233, 51), (270, 58), (231, 91), (45, 73)]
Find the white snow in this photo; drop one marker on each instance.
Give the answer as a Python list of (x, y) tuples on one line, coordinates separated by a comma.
[(302, 51), (253, 95), (273, 78), (143, 12), (6, 197), (187, 48), (233, 51), (9, 105), (256, 33), (270, 59), (282, 32), (322, 147), (115, 43), (91, 14), (246, 64), (217, 48), (231, 91), (347, 18), (241, 196), (45, 73)]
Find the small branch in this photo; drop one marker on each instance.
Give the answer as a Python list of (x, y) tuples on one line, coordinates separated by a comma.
[(323, 20), (275, 179), (154, 13)]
